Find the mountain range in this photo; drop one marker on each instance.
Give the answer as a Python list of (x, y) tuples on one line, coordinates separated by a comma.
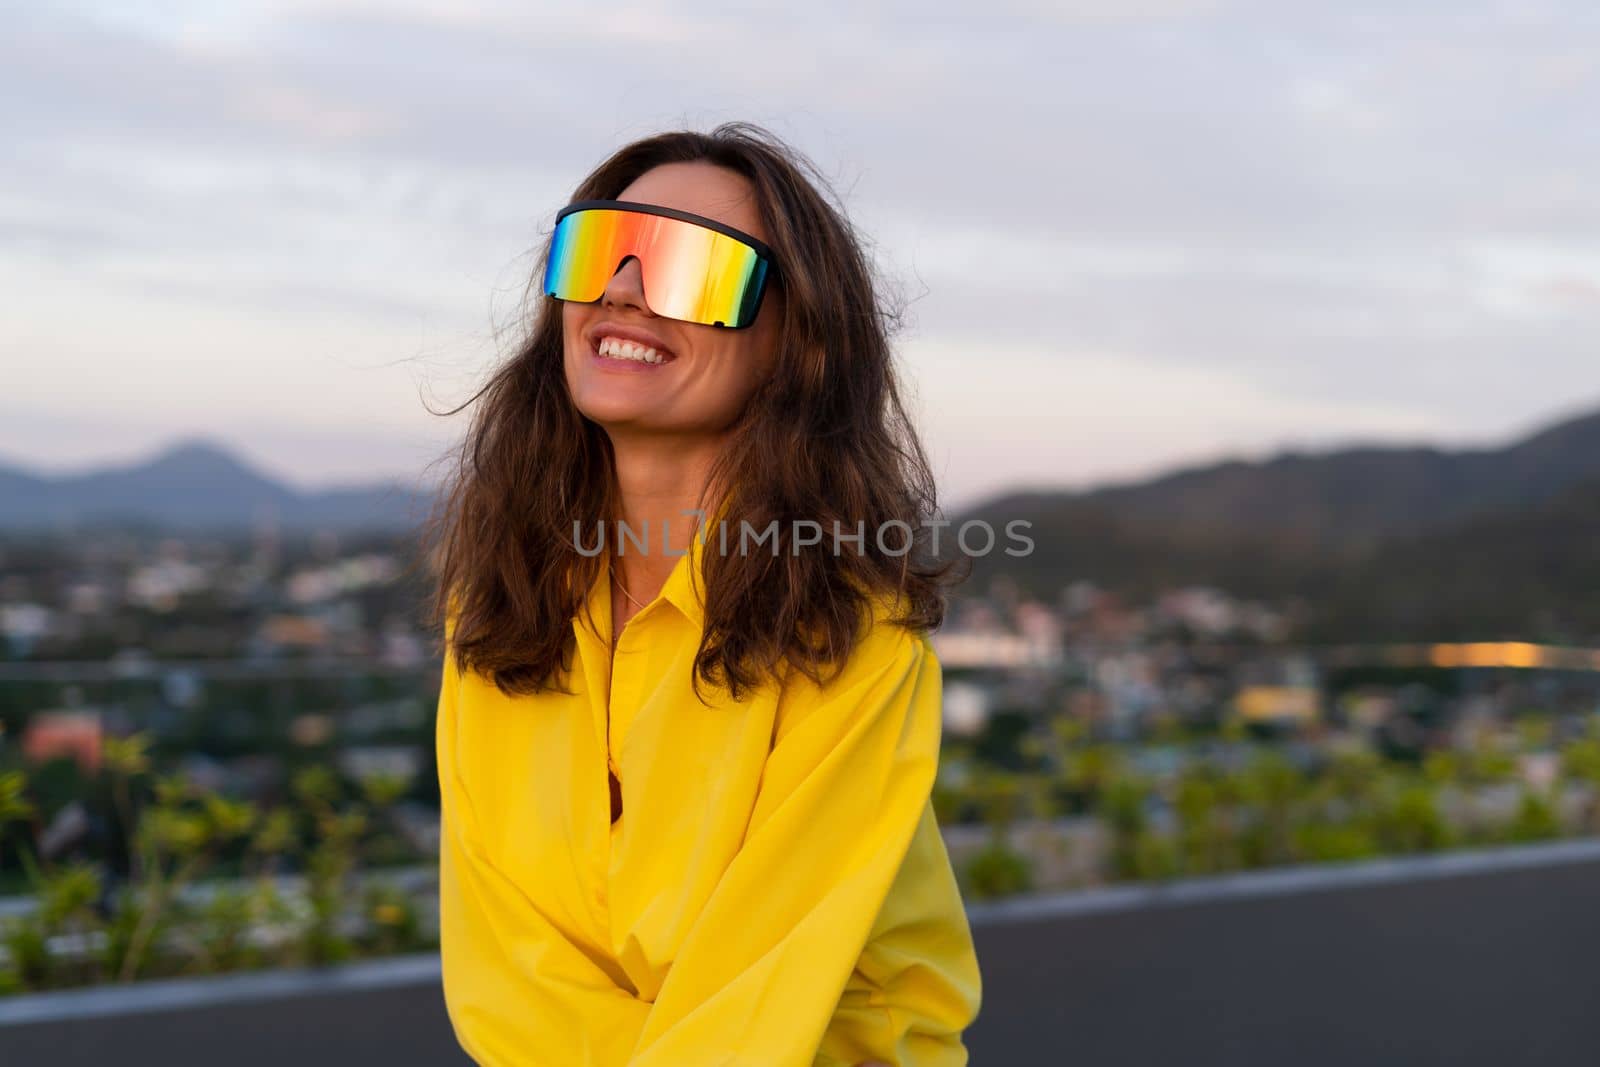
[(1349, 497), (195, 484), (1400, 543), (1344, 499), (1420, 541)]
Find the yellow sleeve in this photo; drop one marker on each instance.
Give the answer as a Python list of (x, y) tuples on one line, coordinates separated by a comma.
[(761, 971), (519, 993), (917, 986)]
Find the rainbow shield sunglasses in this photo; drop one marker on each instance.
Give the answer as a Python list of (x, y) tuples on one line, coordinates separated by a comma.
[(695, 269)]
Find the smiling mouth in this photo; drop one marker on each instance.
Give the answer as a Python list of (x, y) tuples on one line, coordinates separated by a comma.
[(617, 350)]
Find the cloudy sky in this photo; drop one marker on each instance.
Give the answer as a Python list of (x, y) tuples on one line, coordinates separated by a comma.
[(1133, 233)]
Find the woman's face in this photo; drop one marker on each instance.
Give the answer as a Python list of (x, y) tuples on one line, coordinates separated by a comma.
[(710, 372)]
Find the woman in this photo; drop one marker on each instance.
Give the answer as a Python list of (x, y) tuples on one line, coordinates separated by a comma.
[(686, 773)]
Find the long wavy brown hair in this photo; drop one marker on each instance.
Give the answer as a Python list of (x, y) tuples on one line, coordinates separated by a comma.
[(825, 438)]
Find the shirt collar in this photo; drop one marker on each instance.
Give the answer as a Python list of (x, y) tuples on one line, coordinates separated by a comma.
[(682, 589), (685, 585)]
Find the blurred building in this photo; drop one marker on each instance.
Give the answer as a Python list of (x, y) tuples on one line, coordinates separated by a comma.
[(76, 735)]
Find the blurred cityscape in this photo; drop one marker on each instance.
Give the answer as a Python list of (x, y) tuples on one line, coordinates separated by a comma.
[(234, 724)]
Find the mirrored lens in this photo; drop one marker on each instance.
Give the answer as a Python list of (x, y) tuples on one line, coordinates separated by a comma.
[(690, 272)]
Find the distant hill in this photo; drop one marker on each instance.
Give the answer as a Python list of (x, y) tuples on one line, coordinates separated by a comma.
[(1373, 542), (1344, 499), (1525, 573), (195, 484)]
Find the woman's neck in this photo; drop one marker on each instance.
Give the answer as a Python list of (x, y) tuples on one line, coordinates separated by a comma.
[(659, 482)]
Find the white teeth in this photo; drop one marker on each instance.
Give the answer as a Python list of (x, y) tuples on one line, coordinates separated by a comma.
[(616, 348)]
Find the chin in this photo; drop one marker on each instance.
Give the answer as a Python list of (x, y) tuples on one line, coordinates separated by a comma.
[(613, 410)]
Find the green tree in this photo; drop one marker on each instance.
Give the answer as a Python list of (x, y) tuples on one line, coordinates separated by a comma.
[(1122, 809), (1580, 762), (1269, 788)]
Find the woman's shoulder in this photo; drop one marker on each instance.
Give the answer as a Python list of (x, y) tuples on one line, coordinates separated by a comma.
[(884, 625), (889, 673), (885, 649)]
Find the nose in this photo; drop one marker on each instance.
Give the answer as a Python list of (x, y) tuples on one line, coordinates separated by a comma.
[(626, 287)]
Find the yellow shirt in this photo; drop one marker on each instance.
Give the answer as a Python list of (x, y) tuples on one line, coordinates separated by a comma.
[(775, 892)]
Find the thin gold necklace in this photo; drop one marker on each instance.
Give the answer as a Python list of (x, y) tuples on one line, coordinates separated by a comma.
[(616, 637), (624, 588)]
